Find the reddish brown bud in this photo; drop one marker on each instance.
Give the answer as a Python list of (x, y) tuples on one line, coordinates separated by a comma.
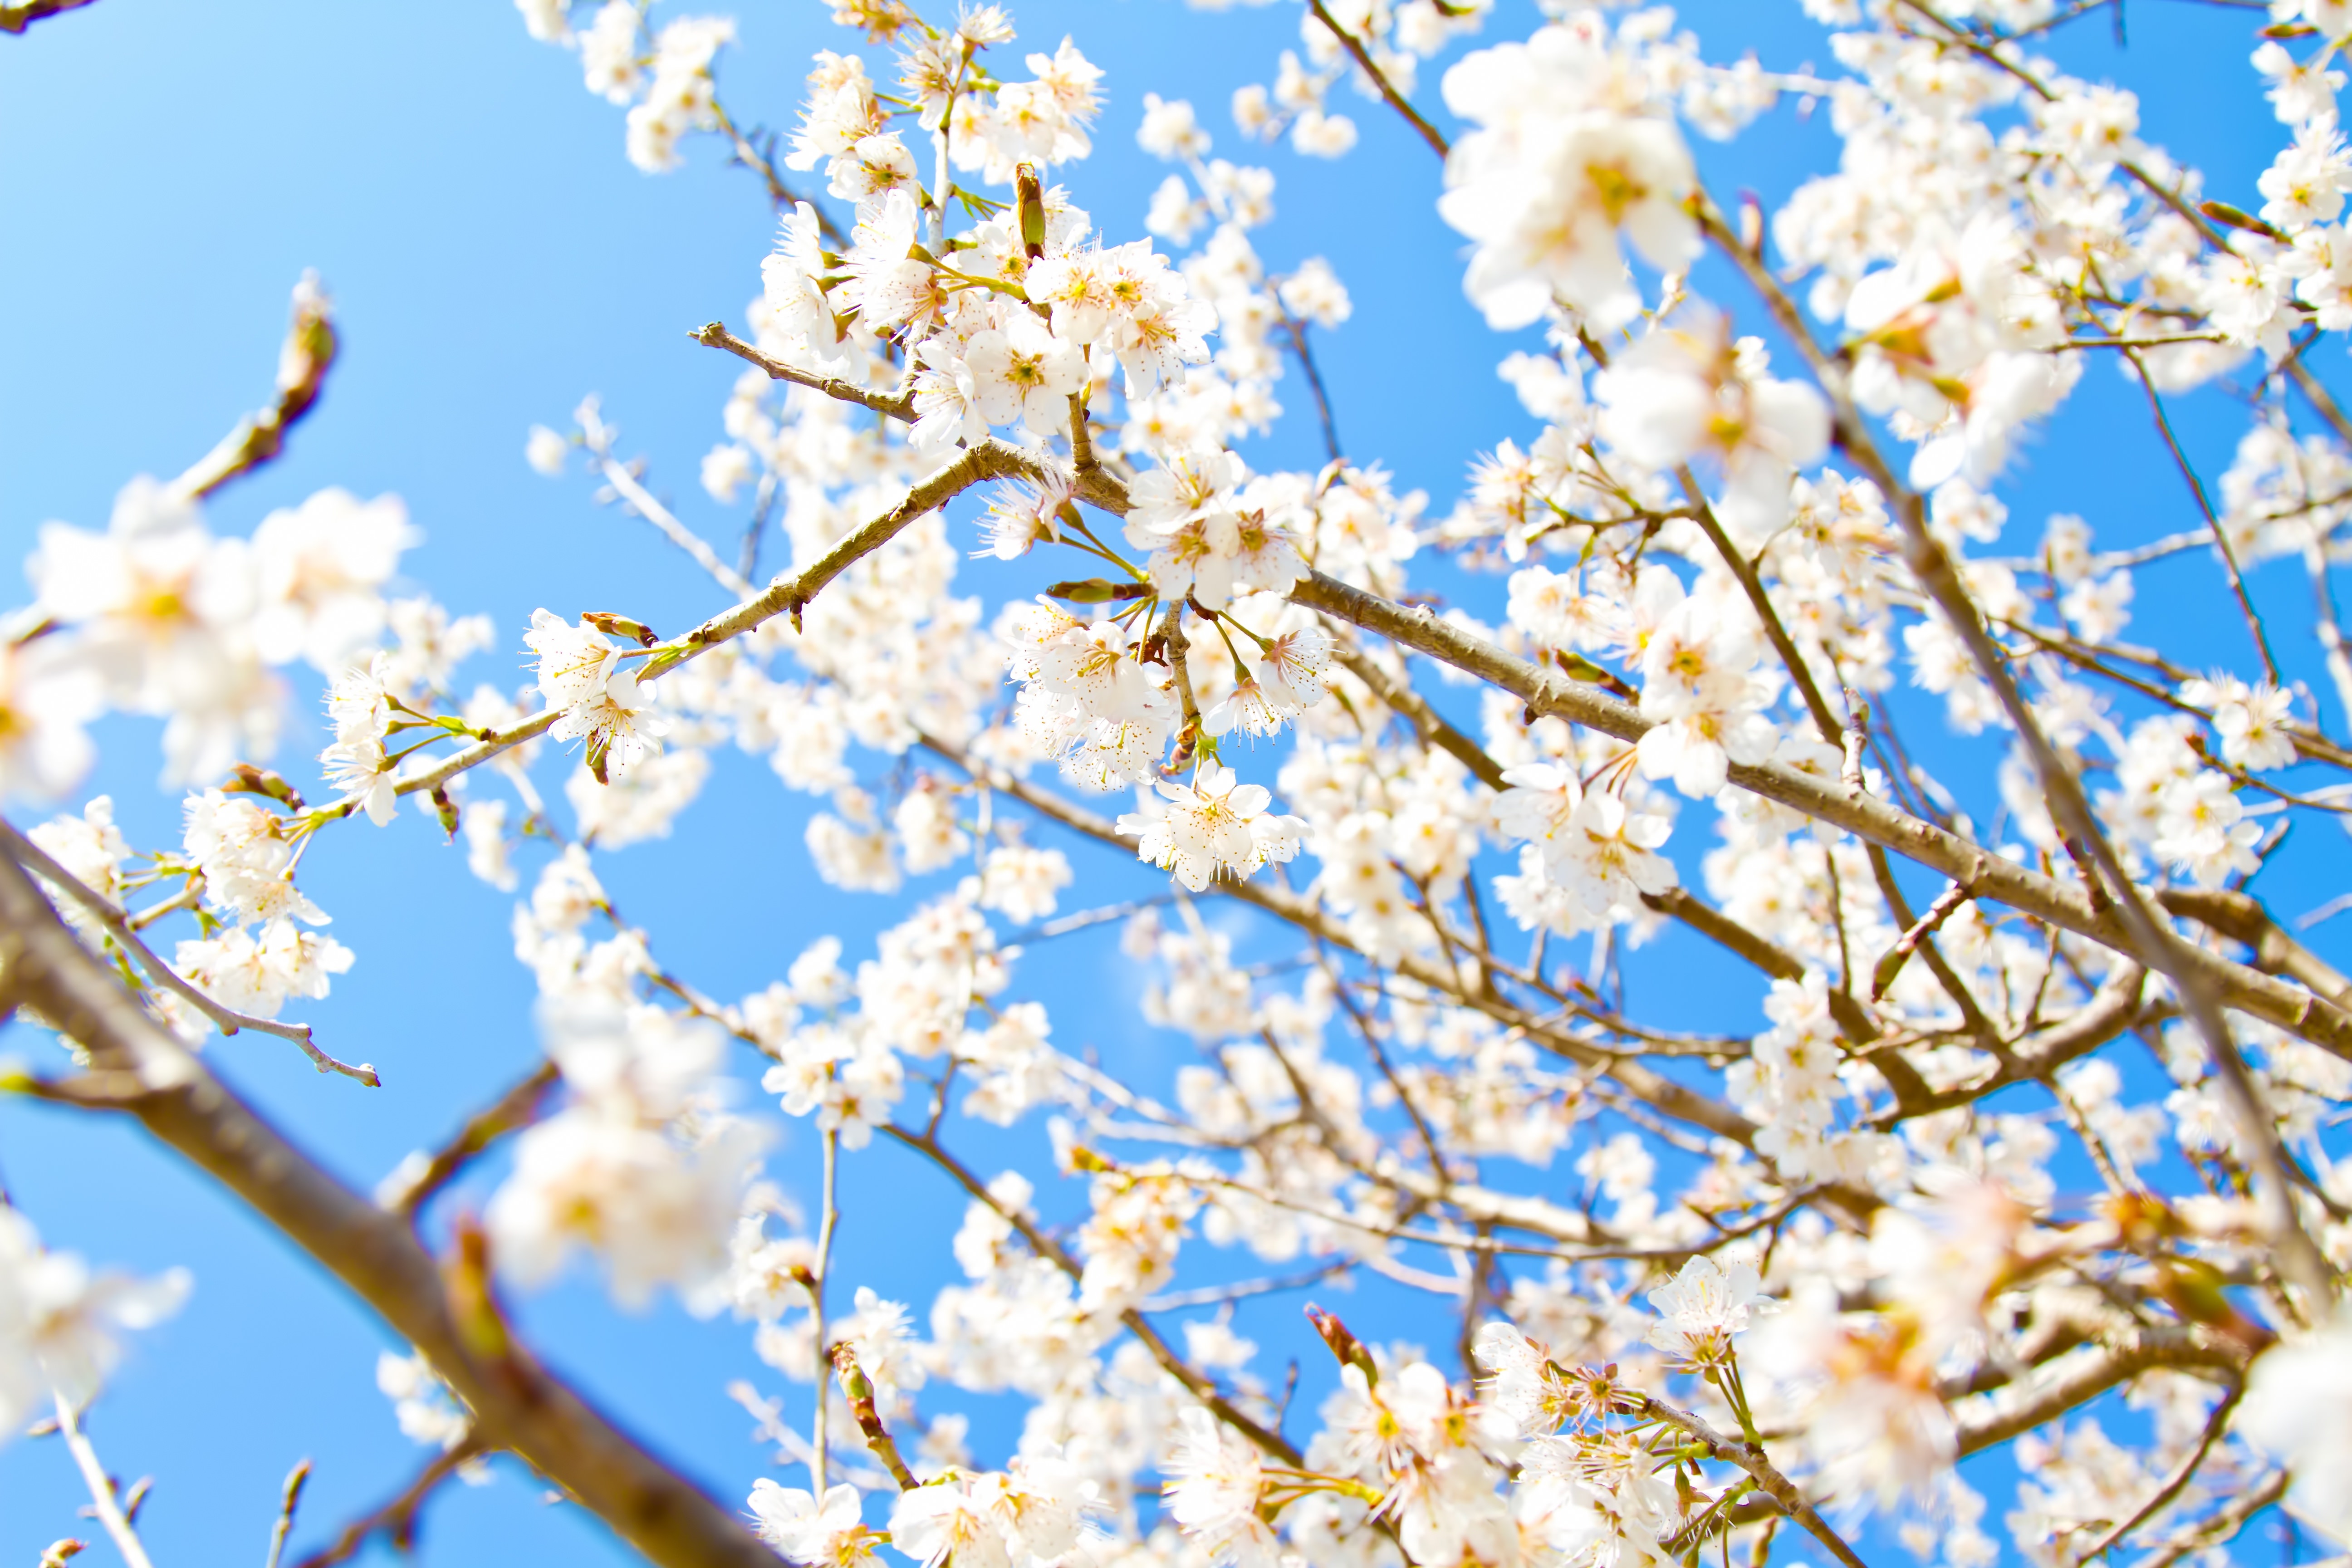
[(1345, 1346)]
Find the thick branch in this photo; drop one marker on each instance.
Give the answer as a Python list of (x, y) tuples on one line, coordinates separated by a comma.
[(2240, 917), (516, 1404), (2082, 1375), (2105, 1015)]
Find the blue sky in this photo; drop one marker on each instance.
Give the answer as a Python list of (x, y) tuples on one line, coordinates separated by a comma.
[(173, 168)]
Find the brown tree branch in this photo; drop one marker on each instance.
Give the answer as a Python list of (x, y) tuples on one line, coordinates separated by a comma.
[(1652, 1088), (516, 1403), (397, 1517), (302, 366), (1750, 1457), (289, 1497), (1272, 1443), (716, 336), (1396, 100), (228, 1020), (1399, 695), (16, 19), (2215, 1424), (2083, 1374), (1866, 816), (2240, 917), (518, 1107), (787, 595)]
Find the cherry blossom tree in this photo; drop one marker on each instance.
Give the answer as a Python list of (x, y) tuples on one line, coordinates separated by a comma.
[(2029, 1145)]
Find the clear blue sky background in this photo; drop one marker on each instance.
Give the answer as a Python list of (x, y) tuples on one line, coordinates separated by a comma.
[(171, 171)]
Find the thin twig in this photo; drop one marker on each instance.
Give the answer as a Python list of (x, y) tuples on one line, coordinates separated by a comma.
[(228, 1020), (287, 1500), (1883, 976), (747, 563), (518, 1107), (1269, 1442), (397, 1517), (101, 1488), (787, 596), (641, 501), (717, 336), (830, 1214), (2220, 1525), (1397, 692), (858, 1389), (1750, 1457), (1396, 100), (1217, 1295), (2213, 519), (1296, 329), (302, 366), (598, 437), (780, 195), (2215, 1424)]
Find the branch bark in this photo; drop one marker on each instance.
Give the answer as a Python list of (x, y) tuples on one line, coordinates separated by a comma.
[(516, 1403)]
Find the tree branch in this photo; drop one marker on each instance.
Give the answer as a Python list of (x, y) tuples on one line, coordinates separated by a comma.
[(516, 1403), (716, 336), (2215, 1424), (103, 1501), (789, 594), (302, 366), (1751, 1457), (1272, 1444), (1355, 47), (228, 1020), (518, 1107), (1652, 1088), (289, 1497), (397, 1517), (2083, 1374), (16, 19), (1866, 816), (1397, 694)]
